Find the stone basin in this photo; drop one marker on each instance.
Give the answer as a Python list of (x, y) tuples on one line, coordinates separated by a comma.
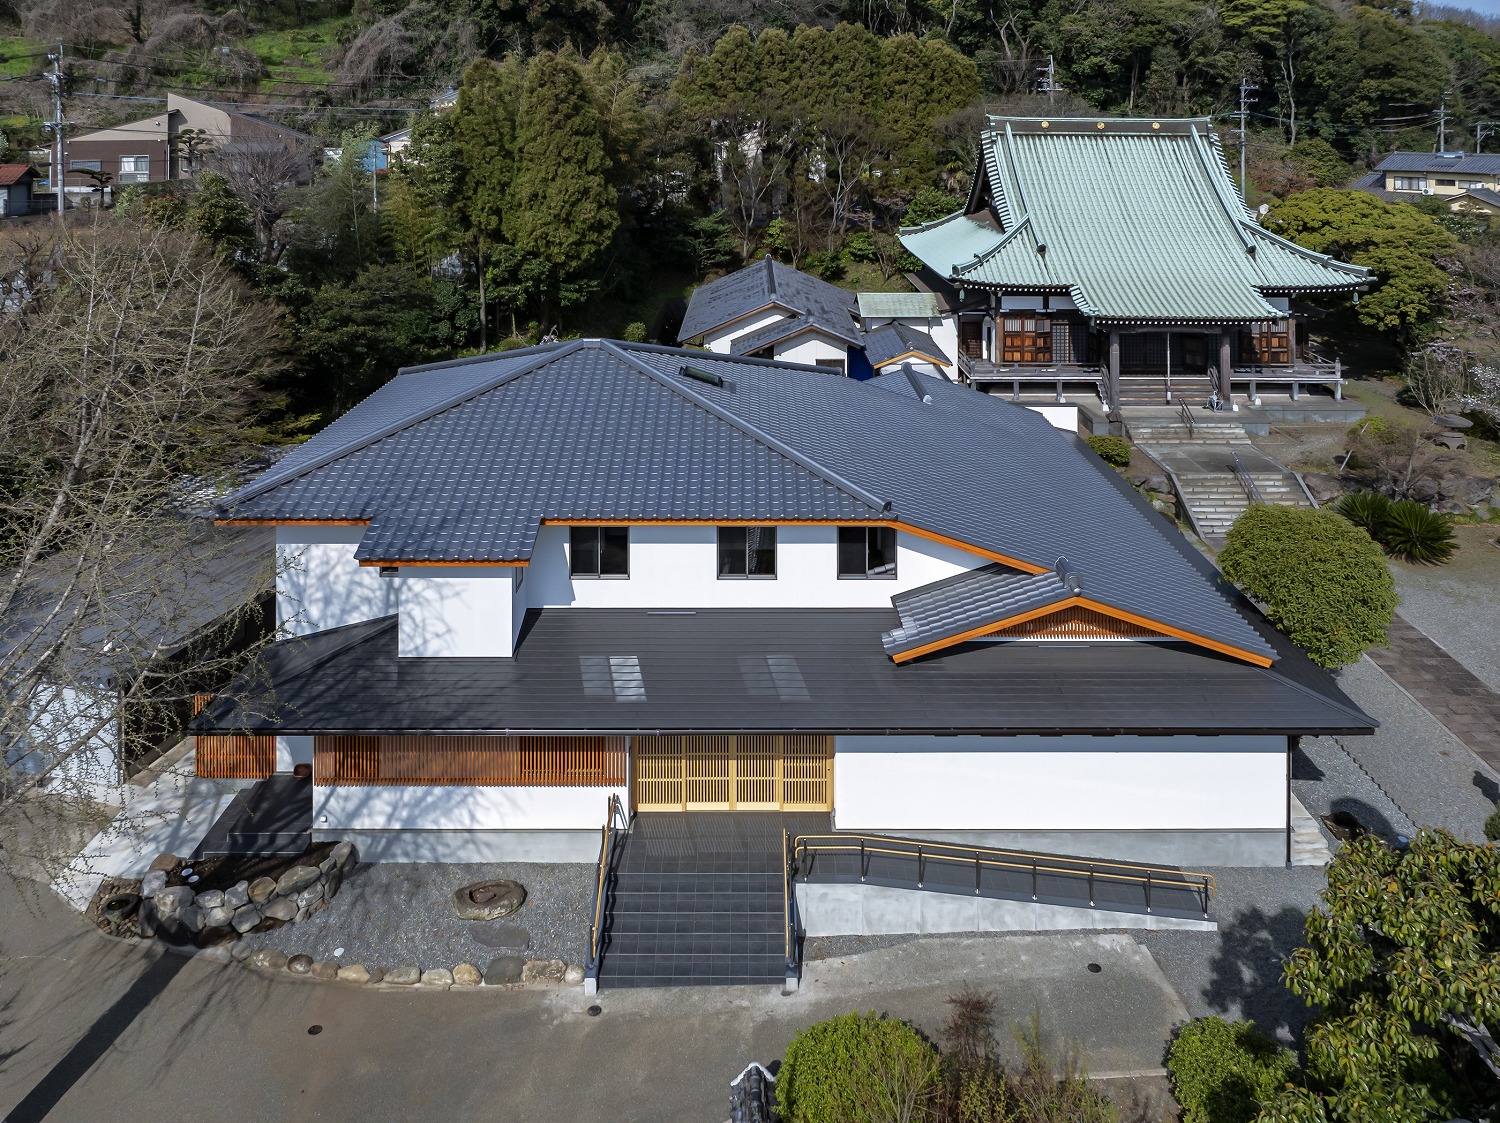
[(488, 900)]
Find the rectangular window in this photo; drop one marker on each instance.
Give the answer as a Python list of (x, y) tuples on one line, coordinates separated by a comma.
[(84, 166), (1445, 183), (1027, 339), (867, 551), (831, 364), (747, 551), (1470, 184), (1409, 183), (135, 169), (599, 551)]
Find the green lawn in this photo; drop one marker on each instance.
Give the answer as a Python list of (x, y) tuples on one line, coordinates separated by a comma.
[(14, 62), (298, 56)]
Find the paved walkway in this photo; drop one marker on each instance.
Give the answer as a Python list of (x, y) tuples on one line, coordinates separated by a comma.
[(1444, 687)]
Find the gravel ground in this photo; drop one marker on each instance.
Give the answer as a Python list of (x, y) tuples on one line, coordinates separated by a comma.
[(397, 913), (1455, 604), (1431, 774), (1325, 778)]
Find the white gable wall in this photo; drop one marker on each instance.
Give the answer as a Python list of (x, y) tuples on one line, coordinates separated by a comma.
[(721, 339), (457, 611), (809, 347), (319, 585)]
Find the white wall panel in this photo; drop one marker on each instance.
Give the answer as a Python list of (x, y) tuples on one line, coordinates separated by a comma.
[(809, 348), (319, 585), (1059, 783), (457, 611), (436, 807), (677, 567), (721, 341), (1064, 417)]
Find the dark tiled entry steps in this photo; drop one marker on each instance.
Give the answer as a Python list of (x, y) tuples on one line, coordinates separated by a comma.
[(697, 899)]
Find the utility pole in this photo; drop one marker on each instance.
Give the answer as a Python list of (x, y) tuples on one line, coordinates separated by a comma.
[(1247, 87), (1443, 126), (1483, 129), (55, 79), (1048, 82)]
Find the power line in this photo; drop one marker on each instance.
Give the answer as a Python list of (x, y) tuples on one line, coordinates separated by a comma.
[(272, 107)]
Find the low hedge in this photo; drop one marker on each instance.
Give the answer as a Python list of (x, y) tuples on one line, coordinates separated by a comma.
[(1225, 1072), (1114, 451), (856, 1067)]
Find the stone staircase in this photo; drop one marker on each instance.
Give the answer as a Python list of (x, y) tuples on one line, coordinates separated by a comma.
[(1151, 389), (1217, 500), (1309, 847), (1216, 429)]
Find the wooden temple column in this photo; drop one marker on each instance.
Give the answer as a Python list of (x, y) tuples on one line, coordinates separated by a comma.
[(1114, 368), (1225, 369)]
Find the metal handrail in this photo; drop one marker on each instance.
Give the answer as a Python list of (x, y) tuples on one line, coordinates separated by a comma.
[(1187, 418), (616, 823), (1146, 876), (789, 908), (1244, 477)]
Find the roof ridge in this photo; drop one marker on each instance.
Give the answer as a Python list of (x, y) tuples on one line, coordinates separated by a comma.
[(273, 480), (1005, 239), (754, 432), (1234, 209)]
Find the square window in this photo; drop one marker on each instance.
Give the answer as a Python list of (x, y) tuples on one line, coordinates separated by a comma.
[(599, 551), (747, 552), (866, 552)]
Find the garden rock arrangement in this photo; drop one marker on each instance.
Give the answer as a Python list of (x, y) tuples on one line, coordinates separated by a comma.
[(1452, 494), (182, 914), (527, 972), (488, 900)]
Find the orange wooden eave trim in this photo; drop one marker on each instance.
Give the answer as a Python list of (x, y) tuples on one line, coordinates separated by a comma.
[(1084, 602), (969, 548), (914, 355), (415, 563), (291, 522)]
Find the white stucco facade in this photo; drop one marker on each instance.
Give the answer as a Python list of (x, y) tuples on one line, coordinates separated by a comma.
[(457, 611), (721, 339), (459, 807), (811, 348), (319, 585)]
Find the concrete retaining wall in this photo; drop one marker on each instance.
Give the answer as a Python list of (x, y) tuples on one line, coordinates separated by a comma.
[(471, 846)]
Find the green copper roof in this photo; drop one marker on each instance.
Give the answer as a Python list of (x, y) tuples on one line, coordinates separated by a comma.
[(1138, 220), (898, 306)]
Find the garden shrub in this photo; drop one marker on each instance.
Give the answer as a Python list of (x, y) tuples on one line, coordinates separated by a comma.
[(1366, 510), (635, 332), (860, 246), (859, 1068), (1492, 826), (1413, 533), (1321, 579), (1223, 1072), (1114, 451)]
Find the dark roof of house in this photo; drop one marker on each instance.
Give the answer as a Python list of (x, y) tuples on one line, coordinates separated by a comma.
[(769, 283), (1483, 194), (463, 461), (15, 173), (1137, 220), (960, 604), (1459, 163), (784, 670), (895, 341)]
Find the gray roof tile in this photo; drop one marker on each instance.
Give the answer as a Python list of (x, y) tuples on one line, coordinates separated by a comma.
[(885, 345), (765, 283), (958, 605), (1486, 164)]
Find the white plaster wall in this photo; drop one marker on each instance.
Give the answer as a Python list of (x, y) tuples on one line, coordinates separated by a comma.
[(434, 807), (319, 585), (292, 751), (720, 341), (809, 348), (453, 611), (677, 567), (1282, 302), (1017, 302), (1059, 783), (1064, 417)]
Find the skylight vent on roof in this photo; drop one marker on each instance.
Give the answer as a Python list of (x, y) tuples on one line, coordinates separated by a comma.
[(704, 376)]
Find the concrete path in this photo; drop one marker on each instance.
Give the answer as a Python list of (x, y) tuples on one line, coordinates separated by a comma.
[(1444, 687), (97, 1029)]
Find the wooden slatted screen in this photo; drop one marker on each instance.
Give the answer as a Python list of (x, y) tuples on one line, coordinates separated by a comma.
[(733, 773), (1076, 623), (235, 756), (488, 761)]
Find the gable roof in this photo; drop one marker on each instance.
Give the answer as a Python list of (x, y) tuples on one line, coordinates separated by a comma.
[(1457, 163), (894, 342), (16, 173), (898, 306), (1479, 194), (768, 283), (462, 462), (1137, 220)]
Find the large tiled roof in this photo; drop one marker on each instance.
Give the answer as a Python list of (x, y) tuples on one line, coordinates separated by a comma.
[(1484, 164), (1137, 220), (898, 306), (774, 670), (769, 283), (462, 462)]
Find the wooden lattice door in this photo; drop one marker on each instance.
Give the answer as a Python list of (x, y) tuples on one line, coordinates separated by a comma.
[(729, 773), (1027, 339)]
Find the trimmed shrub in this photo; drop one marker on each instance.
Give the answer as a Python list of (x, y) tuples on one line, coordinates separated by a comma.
[(856, 1067), (1224, 1072), (1492, 826), (1366, 510), (1413, 533), (635, 332), (1320, 579), (1114, 451)]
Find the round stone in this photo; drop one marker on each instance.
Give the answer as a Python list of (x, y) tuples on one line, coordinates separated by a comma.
[(467, 975), (504, 897), (299, 964), (437, 977), (354, 973)]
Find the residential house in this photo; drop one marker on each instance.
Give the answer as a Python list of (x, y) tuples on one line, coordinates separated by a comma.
[(1117, 255), (907, 327), (16, 182), (523, 583), (151, 150)]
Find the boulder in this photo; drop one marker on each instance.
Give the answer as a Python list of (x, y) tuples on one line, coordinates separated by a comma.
[(467, 975), (1450, 507), (325, 969), (164, 863), (146, 918), (343, 854), (153, 883), (544, 971), (190, 918), (1324, 488), (300, 915), (354, 973), (269, 959), (216, 954), (1424, 490), (299, 964), (437, 977), (240, 951), (169, 902), (332, 884), (327, 865), (1136, 479), (377, 974), (1158, 483), (504, 970), (488, 900), (219, 916), (237, 895), (261, 890), (282, 909), (297, 879), (211, 899), (309, 896), (403, 976), (246, 917), (573, 975)]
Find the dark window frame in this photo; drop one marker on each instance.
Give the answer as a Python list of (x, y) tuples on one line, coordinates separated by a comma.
[(870, 550), (745, 550), (578, 553)]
